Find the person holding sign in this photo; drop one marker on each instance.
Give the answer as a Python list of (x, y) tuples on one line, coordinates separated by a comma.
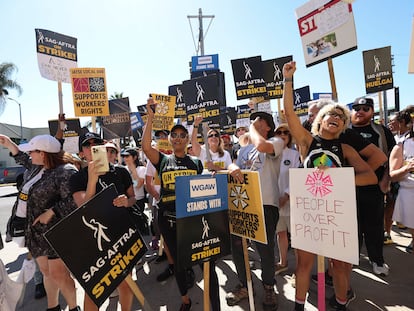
[(290, 159), (321, 149), (88, 182), (168, 167), (262, 154), (46, 199), (219, 159)]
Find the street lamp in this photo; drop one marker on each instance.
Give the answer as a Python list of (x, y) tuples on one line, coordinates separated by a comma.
[(20, 113)]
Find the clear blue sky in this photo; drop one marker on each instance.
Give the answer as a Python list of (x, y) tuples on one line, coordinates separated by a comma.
[(145, 46)]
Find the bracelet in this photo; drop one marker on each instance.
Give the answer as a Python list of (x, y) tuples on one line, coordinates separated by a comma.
[(287, 80), (195, 126)]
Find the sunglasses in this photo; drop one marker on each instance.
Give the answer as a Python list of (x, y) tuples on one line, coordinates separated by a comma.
[(278, 132), (337, 115), (181, 135), (364, 108), (213, 135)]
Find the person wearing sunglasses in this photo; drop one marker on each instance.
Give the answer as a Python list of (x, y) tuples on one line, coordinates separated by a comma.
[(220, 159), (88, 182), (290, 159), (169, 166), (323, 148), (371, 198)]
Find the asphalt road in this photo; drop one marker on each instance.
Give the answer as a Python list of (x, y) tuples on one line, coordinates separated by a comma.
[(390, 293)]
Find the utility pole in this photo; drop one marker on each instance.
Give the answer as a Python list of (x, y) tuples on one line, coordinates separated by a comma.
[(200, 17)]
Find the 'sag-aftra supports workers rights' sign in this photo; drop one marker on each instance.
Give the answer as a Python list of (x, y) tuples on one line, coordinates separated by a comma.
[(323, 212), (202, 220), (99, 244), (246, 216)]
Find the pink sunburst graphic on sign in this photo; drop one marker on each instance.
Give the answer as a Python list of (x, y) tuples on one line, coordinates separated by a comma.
[(319, 184)]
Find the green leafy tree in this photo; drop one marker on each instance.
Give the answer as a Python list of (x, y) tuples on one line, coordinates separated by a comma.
[(117, 95), (7, 83)]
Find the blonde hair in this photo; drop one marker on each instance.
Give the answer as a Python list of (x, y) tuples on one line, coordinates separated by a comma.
[(316, 125)]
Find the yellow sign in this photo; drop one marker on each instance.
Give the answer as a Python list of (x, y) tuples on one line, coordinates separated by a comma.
[(246, 215), (164, 112), (89, 92)]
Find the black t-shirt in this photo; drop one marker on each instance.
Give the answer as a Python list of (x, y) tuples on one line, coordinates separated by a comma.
[(371, 135), (324, 152), (354, 139), (117, 175), (170, 167)]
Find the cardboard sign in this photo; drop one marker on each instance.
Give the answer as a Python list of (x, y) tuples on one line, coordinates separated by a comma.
[(71, 133), (378, 70), (246, 215), (272, 73), (89, 92), (164, 112), (56, 54), (118, 123), (176, 90), (99, 244), (327, 29), (204, 96), (248, 77), (323, 212), (202, 219)]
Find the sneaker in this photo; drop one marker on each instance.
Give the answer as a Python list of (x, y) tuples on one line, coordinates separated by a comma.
[(189, 278), (185, 306), (409, 248), (380, 270), (335, 305), (328, 279), (161, 258), (401, 226), (270, 298), (39, 291), (387, 239), (279, 268), (166, 274), (237, 295), (350, 296)]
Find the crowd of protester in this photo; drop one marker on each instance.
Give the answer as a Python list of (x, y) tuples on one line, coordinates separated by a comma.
[(56, 183)]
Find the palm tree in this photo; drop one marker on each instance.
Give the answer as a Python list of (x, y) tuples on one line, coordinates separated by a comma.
[(6, 83), (117, 95)]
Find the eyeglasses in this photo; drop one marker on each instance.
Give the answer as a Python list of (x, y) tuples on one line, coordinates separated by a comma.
[(336, 115), (181, 135), (213, 135), (364, 108), (111, 151), (34, 151), (278, 132)]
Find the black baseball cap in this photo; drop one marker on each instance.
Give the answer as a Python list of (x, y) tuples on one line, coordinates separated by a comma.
[(179, 126), (363, 101), (129, 151), (87, 136)]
